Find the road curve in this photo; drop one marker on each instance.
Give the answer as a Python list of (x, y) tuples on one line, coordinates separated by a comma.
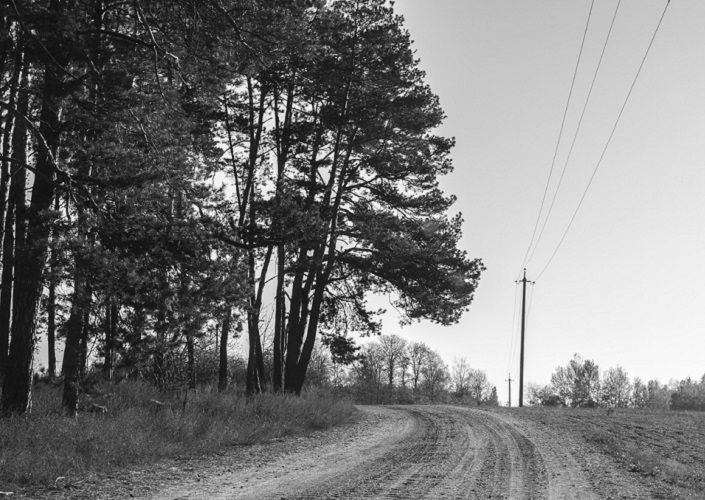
[(413, 452)]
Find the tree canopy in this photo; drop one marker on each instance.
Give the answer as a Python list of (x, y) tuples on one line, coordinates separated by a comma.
[(180, 155)]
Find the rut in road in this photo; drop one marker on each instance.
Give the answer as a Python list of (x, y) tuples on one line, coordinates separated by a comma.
[(413, 452)]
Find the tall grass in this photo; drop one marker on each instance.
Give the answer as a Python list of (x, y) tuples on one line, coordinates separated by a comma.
[(142, 425)]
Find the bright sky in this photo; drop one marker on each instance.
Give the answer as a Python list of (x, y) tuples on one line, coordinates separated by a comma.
[(627, 287)]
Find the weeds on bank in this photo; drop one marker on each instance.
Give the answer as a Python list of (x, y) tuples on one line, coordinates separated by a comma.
[(141, 425)]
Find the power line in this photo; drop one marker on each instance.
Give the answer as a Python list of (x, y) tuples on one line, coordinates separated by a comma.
[(609, 139), (577, 131), (560, 134)]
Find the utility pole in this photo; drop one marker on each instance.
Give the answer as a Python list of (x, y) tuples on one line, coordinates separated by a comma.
[(510, 380), (524, 281)]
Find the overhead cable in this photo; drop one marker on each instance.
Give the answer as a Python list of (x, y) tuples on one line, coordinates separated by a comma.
[(560, 134), (609, 139), (575, 136)]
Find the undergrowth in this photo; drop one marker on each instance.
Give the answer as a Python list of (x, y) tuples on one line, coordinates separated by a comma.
[(143, 425)]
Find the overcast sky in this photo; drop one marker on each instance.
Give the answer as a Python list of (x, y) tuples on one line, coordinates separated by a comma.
[(627, 286)]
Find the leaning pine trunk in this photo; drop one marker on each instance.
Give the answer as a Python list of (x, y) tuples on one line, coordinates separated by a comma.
[(309, 343), (256, 378)]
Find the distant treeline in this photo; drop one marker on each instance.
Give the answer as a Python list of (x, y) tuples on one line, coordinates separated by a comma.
[(392, 370), (580, 384)]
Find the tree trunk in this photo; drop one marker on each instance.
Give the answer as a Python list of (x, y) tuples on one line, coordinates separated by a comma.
[(279, 323), (190, 350), (298, 310), (308, 345), (111, 312), (160, 329), (85, 330), (8, 265), (107, 354), (114, 319), (223, 365), (73, 350), (391, 382), (18, 147), (256, 377), (31, 255), (51, 322), (51, 305), (19, 67)]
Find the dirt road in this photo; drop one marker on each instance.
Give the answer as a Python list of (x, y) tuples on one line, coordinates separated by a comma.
[(419, 452)]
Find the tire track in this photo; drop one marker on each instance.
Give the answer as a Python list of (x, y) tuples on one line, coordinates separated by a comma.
[(562, 473)]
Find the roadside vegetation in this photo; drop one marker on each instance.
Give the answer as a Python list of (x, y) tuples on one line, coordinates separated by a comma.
[(137, 417), (133, 423)]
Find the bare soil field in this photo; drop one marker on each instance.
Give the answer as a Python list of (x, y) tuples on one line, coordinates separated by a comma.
[(663, 451), (441, 452)]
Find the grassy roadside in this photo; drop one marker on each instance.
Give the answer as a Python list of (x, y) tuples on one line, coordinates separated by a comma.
[(141, 425)]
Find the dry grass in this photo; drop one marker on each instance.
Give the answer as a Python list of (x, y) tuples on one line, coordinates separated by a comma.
[(46, 446)]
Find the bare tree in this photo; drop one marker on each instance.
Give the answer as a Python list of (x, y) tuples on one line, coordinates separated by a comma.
[(479, 386), (404, 363), (435, 373), (418, 354), (368, 372), (461, 376), (393, 349)]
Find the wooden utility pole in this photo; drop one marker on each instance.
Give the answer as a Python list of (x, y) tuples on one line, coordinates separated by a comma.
[(510, 380), (524, 281)]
